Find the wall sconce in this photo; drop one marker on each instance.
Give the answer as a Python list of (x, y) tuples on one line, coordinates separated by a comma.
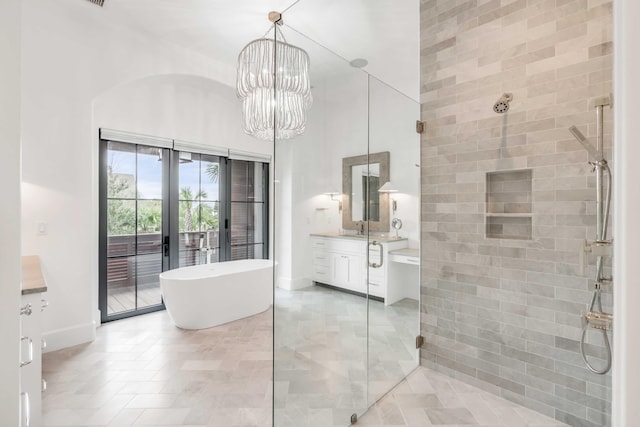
[(332, 194), (389, 188)]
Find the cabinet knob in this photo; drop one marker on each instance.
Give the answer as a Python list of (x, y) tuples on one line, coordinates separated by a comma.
[(26, 310)]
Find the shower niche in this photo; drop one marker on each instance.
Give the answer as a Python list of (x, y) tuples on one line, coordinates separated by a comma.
[(509, 202)]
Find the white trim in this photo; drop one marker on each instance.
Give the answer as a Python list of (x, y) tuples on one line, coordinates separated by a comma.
[(249, 156), (194, 147), (294, 284), (626, 290), (68, 337), (135, 138)]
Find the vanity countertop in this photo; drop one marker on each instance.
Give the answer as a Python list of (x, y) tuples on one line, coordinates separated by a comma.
[(406, 252), (372, 237), (32, 279)]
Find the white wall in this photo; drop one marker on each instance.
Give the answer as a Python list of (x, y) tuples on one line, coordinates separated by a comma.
[(626, 351), (10, 210), (344, 121), (81, 71)]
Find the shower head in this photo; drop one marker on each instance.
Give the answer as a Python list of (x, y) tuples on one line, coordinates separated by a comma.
[(583, 140), (502, 105)]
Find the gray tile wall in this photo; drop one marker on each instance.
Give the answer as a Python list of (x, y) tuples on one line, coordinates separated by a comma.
[(503, 314)]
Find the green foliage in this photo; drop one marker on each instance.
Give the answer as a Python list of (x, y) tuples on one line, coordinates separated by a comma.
[(121, 213), (194, 214), (149, 217), (121, 216)]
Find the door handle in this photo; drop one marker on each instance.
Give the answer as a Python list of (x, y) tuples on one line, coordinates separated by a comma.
[(30, 346), (165, 246), (26, 409), (373, 264)]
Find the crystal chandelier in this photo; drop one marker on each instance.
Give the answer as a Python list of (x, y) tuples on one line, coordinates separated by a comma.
[(258, 66)]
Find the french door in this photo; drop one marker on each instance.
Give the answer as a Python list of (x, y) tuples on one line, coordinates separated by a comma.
[(163, 208), (134, 228)]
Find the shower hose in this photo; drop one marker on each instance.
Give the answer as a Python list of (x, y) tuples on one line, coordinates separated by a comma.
[(596, 300)]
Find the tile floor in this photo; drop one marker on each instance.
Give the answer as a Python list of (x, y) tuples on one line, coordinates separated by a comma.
[(323, 348), (146, 372)]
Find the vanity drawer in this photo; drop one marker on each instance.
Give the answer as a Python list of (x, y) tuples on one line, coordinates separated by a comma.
[(320, 258), (321, 273), (317, 243), (376, 275), (376, 289)]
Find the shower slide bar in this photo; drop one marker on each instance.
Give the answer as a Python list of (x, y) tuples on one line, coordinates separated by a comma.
[(594, 317)]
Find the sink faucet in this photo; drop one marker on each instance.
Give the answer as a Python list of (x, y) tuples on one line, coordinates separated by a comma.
[(361, 226)]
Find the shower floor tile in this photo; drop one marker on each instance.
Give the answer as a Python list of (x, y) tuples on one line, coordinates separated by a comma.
[(428, 398)]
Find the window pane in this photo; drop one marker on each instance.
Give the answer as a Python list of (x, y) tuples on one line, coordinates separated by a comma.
[(257, 225), (149, 173), (258, 183), (150, 217), (148, 269), (210, 178), (188, 220), (189, 257), (239, 252), (123, 245), (239, 223), (239, 181), (121, 170), (121, 217), (189, 176), (209, 217), (121, 291)]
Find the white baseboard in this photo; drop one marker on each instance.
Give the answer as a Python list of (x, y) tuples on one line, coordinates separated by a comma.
[(294, 284), (68, 337)]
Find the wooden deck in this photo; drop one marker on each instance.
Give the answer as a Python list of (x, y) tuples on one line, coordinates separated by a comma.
[(124, 298)]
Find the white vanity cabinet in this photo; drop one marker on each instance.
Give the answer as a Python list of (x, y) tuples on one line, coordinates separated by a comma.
[(31, 343), (341, 261)]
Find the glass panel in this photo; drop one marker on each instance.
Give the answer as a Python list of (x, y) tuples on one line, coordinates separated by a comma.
[(210, 178), (188, 221), (148, 284), (149, 173), (121, 172), (320, 332), (121, 217), (394, 316), (241, 183), (189, 175), (149, 217), (134, 226), (121, 284), (259, 182), (240, 218), (199, 209)]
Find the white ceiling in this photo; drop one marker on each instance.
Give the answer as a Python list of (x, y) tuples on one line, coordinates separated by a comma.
[(385, 32)]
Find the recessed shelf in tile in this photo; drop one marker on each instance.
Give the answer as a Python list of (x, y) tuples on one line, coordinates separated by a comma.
[(509, 204)]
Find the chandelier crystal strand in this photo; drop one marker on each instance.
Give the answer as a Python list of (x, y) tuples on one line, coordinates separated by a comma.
[(255, 86)]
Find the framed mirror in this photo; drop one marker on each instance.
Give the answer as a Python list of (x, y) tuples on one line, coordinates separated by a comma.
[(362, 176)]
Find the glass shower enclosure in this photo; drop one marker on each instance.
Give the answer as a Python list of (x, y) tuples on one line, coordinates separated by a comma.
[(346, 245)]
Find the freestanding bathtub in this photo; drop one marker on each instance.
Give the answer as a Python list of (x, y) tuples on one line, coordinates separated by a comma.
[(203, 296)]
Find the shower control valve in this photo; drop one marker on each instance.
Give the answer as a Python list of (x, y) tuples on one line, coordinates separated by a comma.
[(597, 248)]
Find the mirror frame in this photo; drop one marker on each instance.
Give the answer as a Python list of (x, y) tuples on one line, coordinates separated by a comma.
[(347, 163)]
